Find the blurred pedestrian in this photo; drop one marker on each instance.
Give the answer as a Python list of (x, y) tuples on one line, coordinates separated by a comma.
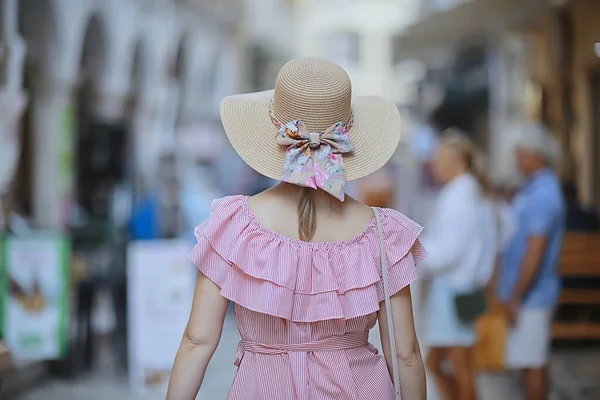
[(528, 282), (462, 245), (310, 270)]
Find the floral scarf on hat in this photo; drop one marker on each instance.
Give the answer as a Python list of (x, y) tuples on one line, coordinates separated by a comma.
[(315, 160)]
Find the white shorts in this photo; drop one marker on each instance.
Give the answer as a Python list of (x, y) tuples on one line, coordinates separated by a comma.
[(528, 343)]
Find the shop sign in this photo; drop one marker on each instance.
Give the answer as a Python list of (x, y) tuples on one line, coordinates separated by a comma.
[(161, 283), (35, 296)]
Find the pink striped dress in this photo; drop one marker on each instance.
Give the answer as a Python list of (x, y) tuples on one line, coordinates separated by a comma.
[(304, 310)]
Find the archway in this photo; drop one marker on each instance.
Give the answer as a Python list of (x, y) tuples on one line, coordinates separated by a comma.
[(137, 118), (37, 26), (169, 182), (97, 160), (178, 65), (138, 75), (101, 169), (178, 75), (94, 49)]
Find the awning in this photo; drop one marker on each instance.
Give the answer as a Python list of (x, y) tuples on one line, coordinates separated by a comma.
[(472, 18)]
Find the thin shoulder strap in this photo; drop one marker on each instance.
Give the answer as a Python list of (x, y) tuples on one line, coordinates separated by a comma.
[(388, 304)]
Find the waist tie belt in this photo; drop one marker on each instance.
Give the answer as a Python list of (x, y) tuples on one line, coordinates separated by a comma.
[(334, 343)]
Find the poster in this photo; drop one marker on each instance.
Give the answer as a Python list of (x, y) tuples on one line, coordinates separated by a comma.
[(35, 296), (161, 283)]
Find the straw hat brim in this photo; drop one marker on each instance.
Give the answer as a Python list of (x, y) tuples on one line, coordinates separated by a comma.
[(375, 133)]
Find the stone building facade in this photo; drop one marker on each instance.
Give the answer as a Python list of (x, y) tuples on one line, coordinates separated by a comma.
[(156, 67)]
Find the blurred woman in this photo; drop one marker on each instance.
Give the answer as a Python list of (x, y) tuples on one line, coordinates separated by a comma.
[(462, 248)]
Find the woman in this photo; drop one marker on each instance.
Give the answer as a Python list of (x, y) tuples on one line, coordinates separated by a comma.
[(302, 261), (462, 246)]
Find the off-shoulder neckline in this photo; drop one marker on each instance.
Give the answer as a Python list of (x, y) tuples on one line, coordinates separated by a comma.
[(369, 228)]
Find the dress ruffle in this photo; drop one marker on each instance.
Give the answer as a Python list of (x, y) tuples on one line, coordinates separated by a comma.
[(269, 273)]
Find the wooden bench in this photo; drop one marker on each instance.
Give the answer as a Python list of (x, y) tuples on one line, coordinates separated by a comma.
[(580, 258)]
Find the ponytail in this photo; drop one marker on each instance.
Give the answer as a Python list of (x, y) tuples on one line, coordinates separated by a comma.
[(307, 215)]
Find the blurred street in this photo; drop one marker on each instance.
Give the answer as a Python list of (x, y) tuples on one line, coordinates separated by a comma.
[(103, 383), (112, 150), (579, 369)]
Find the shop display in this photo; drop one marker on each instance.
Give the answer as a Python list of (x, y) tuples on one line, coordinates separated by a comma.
[(160, 290), (34, 278)]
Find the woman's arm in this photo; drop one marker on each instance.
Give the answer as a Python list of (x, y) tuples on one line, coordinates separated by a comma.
[(410, 362), (199, 342)]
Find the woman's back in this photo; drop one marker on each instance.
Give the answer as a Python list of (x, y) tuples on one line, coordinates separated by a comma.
[(294, 298), (276, 208)]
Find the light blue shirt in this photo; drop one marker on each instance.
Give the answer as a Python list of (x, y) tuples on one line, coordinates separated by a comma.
[(540, 210)]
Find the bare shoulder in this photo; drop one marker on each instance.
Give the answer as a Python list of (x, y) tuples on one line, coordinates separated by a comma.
[(273, 208), (357, 211), (268, 201), (337, 220)]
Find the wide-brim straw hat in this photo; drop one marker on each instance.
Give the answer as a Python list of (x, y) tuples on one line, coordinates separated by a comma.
[(319, 93)]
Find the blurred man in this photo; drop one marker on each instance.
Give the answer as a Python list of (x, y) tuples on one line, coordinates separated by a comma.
[(529, 283)]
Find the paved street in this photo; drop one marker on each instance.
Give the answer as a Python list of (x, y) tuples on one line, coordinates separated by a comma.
[(105, 384)]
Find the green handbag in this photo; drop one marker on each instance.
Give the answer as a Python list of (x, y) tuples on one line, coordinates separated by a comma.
[(470, 306)]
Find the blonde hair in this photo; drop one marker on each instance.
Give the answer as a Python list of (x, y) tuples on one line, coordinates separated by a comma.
[(473, 157), (307, 215)]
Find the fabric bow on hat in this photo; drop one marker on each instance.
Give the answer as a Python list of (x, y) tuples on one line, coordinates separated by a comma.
[(315, 159)]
